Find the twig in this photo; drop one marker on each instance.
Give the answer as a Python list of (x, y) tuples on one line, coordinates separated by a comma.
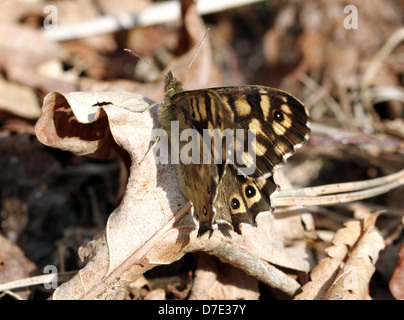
[(156, 14), (339, 192), (32, 281)]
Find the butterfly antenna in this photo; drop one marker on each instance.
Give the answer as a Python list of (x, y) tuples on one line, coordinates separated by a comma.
[(147, 62), (196, 53)]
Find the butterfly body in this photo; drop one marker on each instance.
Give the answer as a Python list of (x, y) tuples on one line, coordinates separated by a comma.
[(223, 195)]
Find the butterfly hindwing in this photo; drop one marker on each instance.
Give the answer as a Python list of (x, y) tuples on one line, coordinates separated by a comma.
[(240, 199), (198, 182)]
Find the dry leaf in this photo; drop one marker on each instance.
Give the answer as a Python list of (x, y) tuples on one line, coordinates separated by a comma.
[(157, 294), (218, 281), (14, 265), (19, 100), (358, 243), (22, 57)]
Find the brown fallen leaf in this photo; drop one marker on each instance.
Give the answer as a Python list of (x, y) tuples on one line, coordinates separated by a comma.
[(14, 265), (346, 273), (157, 294), (22, 58), (18, 100), (216, 280), (138, 289)]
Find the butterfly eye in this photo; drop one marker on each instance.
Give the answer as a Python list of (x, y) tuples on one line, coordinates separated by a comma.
[(204, 211), (278, 116), (235, 204), (250, 191)]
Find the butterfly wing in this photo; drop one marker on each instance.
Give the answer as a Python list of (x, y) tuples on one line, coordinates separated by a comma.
[(198, 183), (222, 193), (206, 112), (198, 180), (280, 121), (240, 199)]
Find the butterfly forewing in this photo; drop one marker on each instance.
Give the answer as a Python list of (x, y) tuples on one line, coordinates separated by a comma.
[(211, 117), (280, 122)]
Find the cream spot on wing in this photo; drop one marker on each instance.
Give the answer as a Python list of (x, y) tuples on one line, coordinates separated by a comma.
[(243, 108), (287, 121), (281, 149), (265, 105), (278, 128), (261, 183), (286, 109), (255, 124), (248, 160), (260, 149)]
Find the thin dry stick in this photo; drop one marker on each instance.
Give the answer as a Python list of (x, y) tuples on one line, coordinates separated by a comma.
[(158, 13), (340, 192), (31, 281)]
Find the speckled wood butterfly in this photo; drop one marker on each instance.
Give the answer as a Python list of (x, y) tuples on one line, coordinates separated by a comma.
[(221, 196), (222, 193)]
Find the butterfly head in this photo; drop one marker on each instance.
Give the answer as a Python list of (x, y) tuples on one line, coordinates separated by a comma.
[(172, 85)]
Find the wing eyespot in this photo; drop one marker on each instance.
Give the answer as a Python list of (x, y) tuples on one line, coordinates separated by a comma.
[(250, 191), (235, 204), (278, 116)]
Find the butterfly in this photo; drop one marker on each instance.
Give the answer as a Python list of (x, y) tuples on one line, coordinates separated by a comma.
[(222, 194)]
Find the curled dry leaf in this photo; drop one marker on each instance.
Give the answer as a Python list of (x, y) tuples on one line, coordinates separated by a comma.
[(359, 244), (144, 208)]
